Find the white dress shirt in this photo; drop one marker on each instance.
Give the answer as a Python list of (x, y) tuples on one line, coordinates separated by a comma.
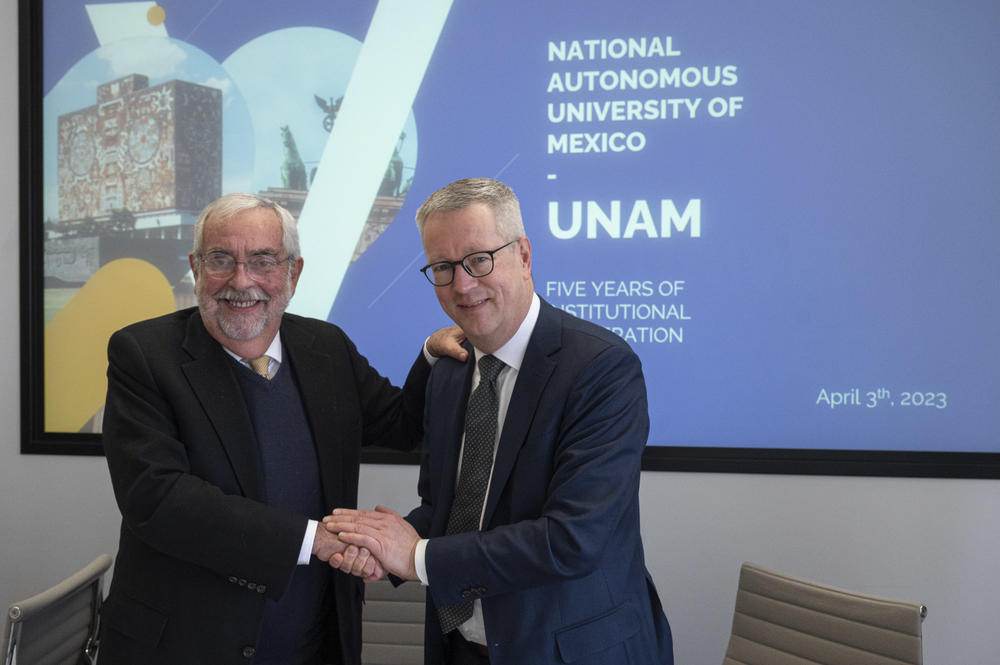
[(512, 355)]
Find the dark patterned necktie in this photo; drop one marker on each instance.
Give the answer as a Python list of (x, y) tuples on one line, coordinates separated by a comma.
[(477, 459)]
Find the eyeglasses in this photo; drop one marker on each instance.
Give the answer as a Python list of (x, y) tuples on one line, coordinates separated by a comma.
[(477, 264), (220, 264)]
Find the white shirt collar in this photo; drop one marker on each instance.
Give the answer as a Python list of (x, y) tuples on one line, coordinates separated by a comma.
[(274, 350), (512, 353)]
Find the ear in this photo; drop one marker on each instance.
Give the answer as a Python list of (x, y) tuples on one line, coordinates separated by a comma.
[(524, 253), (296, 272), (193, 262)]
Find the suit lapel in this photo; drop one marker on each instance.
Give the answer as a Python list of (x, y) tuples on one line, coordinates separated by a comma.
[(536, 369), (457, 380), (210, 374)]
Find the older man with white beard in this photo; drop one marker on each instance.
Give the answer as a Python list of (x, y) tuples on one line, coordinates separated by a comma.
[(230, 429)]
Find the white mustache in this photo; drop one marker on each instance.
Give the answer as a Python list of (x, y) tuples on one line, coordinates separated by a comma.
[(243, 295)]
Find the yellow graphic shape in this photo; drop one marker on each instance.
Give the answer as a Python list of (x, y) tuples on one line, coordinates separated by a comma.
[(76, 340), (156, 15)]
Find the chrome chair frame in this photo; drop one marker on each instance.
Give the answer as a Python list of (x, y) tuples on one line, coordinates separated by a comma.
[(59, 625)]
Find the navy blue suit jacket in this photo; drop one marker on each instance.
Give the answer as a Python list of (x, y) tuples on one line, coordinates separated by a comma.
[(559, 564), (200, 551)]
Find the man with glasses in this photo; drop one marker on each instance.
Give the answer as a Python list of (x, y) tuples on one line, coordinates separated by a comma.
[(528, 530), (230, 429)]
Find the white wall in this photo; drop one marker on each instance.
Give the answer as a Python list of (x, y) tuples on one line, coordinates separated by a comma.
[(932, 541)]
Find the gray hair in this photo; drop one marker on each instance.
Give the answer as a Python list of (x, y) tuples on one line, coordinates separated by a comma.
[(495, 195), (230, 205)]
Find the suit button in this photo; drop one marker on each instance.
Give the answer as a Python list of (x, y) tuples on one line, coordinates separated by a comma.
[(261, 588), (242, 583), (481, 591), (466, 593), (233, 580), (251, 585), (249, 652)]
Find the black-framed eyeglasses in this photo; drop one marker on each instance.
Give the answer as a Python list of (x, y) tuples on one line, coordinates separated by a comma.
[(477, 264), (259, 266)]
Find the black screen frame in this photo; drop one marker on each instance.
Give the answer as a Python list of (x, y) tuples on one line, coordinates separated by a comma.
[(35, 440)]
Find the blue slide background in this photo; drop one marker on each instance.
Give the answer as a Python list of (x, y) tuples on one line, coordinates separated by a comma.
[(848, 246)]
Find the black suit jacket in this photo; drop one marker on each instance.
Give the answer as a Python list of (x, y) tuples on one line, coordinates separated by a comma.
[(559, 564), (199, 551)]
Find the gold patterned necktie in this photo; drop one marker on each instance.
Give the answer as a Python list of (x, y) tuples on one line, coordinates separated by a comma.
[(260, 365)]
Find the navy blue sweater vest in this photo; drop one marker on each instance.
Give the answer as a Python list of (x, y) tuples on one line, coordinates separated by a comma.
[(293, 628)]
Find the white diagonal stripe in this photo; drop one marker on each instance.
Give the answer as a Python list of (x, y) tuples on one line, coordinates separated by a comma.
[(382, 88)]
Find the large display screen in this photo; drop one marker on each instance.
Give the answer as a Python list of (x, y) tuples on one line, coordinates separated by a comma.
[(788, 209)]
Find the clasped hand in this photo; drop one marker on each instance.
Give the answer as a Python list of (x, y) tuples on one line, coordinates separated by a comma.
[(343, 556), (374, 542), (371, 543)]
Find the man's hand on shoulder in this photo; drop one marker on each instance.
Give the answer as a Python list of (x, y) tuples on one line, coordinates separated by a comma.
[(447, 342)]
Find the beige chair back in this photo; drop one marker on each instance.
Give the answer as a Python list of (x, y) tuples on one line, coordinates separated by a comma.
[(392, 624), (780, 620)]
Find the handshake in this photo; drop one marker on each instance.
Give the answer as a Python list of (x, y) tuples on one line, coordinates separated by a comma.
[(367, 543)]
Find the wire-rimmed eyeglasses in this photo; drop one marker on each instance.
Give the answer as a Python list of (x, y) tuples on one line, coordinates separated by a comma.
[(477, 264), (258, 266)]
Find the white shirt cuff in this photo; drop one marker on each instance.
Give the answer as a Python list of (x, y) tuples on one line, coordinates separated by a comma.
[(427, 354), (305, 553), (419, 561)]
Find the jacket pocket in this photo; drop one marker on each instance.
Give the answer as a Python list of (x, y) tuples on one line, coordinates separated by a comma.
[(134, 619), (597, 634)]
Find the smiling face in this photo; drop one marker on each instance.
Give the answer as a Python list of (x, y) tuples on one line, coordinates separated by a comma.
[(243, 313), (489, 309)]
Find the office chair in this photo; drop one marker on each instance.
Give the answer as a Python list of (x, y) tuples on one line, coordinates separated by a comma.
[(392, 624), (780, 620), (58, 626)]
